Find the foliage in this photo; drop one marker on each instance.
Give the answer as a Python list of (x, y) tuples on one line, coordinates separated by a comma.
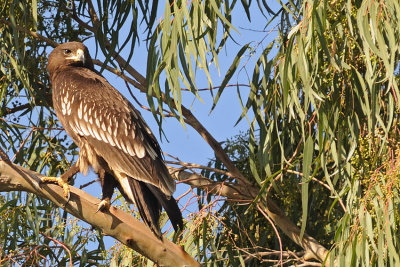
[(321, 101), (371, 225), (33, 230), (340, 83)]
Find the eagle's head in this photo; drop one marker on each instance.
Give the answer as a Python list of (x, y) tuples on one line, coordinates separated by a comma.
[(69, 54)]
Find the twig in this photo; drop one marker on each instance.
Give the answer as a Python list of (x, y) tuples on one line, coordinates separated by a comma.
[(23, 143), (276, 232), (9, 111), (195, 166), (33, 34), (62, 245), (77, 19), (217, 87), (166, 113), (117, 72), (89, 183), (321, 183)]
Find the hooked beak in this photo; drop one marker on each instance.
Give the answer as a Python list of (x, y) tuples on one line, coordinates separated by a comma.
[(79, 56)]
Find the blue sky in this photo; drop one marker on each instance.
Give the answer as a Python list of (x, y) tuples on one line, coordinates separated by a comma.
[(186, 143)]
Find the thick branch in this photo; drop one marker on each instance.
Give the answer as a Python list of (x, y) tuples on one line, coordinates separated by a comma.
[(115, 222), (233, 191), (313, 249)]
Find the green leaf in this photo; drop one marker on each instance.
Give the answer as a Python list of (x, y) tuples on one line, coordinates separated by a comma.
[(307, 163), (229, 74)]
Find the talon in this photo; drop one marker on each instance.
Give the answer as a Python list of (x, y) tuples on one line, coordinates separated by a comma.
[(104, 205), (60, 182)]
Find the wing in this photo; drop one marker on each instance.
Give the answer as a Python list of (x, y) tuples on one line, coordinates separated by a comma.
[(97, 112)]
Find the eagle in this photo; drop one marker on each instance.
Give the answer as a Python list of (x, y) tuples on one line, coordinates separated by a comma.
[(112, 137)]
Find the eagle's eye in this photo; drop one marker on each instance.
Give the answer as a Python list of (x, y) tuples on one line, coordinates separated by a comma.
[(67, 52)]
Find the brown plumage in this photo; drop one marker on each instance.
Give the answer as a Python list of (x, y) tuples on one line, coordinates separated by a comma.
[(112, 136)]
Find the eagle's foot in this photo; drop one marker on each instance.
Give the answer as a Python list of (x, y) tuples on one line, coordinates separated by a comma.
[(104, 205), (60, 182)]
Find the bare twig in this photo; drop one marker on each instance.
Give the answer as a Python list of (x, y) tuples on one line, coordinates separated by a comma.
[(23, 143), (117, 72), (65, 247), (165, 113), (276, 232), (89, 183), (9, 111), (191, 166), (226, 189), (321, 183), (217, 87)]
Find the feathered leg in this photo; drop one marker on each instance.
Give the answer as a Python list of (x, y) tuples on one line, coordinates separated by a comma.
[(108, 183)]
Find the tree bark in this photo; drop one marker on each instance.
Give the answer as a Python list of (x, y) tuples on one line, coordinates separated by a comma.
[(115, 222)]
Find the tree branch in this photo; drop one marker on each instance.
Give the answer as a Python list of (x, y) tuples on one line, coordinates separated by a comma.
[(9, 111), (230, 190), (233, 191), (136, 235), (313, 249), (115, 222), (31, 33), (189, 117)]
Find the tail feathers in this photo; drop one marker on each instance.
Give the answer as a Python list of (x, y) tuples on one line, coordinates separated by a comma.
[(170, 206), (147, 204), (149, 200)]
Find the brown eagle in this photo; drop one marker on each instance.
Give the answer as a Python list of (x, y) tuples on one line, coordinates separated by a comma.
[(112, 137)]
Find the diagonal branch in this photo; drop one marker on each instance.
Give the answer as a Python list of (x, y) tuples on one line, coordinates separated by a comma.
[(237, 192), (188, 115), (115, 222), (246, 194), (141, 84)]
